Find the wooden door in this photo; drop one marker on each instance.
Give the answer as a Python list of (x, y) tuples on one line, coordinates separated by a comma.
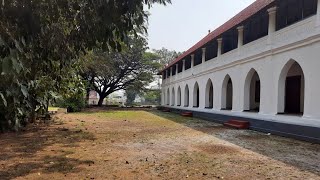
[(293, 94)]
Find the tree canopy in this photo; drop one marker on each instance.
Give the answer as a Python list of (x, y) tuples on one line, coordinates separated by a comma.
[(166, 55), (42, 44), (112, 71)]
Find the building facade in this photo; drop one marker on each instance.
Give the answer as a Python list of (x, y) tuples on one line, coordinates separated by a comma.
[(263, 64)]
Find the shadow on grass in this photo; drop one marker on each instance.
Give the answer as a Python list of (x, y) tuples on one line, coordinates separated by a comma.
[(94, 110), (48, 164), (300, 154), (19, 155)]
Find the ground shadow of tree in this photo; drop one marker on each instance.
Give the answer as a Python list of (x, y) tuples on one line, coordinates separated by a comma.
[(18, 155), (300, 154), (49, 164)]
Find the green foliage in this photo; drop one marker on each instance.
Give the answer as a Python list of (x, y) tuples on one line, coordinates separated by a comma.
[(108, 72), (131, 94), (166, 56), (72, 98), (73, 103), (42, 44), (153, 97)]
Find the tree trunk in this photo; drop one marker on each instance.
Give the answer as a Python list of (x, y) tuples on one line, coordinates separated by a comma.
[(88, 97), (33, 112), (100, 103), (47, 106)]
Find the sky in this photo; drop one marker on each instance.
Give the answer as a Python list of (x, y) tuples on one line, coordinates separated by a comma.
[(180, 25)]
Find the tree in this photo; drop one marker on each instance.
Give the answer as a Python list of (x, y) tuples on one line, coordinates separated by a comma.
[(153, 96), (108, 72), (41, 43), (131, 94), (166, 56)]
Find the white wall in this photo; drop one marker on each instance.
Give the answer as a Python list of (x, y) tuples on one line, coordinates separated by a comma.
[(297, 43)]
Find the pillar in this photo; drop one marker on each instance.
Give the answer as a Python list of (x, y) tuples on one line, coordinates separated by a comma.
[(170, 71), (203, 55), (192, 60), (272, 20), (240, 36), (219, 46)]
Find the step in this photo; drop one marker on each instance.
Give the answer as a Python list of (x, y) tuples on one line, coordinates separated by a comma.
[(238, 124), (187, 114)]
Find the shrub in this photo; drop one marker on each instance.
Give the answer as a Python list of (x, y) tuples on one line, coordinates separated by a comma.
[(73, 103)]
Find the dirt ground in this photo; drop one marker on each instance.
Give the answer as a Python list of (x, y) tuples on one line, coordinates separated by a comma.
[(151, 145)]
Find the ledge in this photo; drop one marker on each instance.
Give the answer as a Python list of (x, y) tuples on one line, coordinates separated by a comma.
[(286, 129)]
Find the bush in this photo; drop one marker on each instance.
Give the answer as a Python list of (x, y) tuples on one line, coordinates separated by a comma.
[(73, 103), (133, 105)]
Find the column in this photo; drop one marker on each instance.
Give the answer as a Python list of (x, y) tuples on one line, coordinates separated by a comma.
[(192, 60), (240, 36), (219, 46), (203, 55), (272, 19), (177, 69), (183, 65), (170, 71)]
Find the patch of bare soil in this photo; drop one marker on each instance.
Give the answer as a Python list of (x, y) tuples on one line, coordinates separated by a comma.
[(218, 149), (115, 144)]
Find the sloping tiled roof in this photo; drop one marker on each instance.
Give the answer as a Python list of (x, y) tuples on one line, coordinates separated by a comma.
[(240, 17)]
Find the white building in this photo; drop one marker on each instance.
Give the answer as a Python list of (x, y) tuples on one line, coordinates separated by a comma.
[(262, 65)]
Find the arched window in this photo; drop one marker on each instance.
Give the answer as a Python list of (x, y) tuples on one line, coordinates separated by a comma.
[(173, 97), (252, 88), (179, 97), (209, 94), (186, 96), (291, 89), (196, 95), (227, 94)]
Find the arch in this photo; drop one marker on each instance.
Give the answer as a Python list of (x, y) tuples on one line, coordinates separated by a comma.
[(227, 93), (179, 96), (209, 94), (196, 95), (186, 96), (168, 97), (252, 91), (173, 96), (291, 89)]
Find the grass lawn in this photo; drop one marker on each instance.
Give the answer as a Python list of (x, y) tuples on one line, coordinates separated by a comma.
[(151, 145), (53, 108)]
